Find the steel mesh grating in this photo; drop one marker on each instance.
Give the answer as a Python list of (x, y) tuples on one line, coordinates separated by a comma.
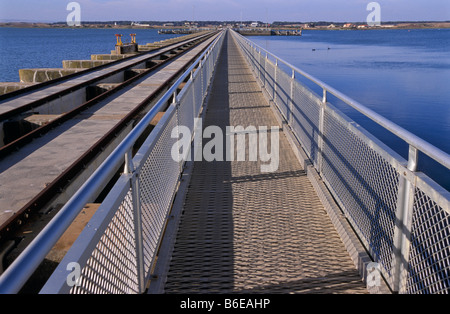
[(205, 79), (186, 109), (253, 59), (262, 71), (198, 96), (283, 92), (365, 184), (305, 119), (158, 181), (429, 259), (270, 78), (111, 269)]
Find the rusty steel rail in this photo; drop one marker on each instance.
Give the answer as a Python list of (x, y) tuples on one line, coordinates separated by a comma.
[(14, 145), (68, 77)]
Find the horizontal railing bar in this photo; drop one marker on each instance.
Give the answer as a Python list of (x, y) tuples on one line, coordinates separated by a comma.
[(412, 139)]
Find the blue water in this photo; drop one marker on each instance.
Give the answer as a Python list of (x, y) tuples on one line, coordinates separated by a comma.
[(46, 48), (404, 75)]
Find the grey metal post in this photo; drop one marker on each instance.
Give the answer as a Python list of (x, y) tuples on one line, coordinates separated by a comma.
[(275, 82), (137, 218), (403, 223), (261, 77), (129, 167), (265, 70), (135, 186), (193, 94), (321, 140), (177, 104), (200, 68), (291, 101)]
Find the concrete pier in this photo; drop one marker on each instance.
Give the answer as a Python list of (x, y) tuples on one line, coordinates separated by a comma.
[(6, 87), (83, 64), (44, 75)]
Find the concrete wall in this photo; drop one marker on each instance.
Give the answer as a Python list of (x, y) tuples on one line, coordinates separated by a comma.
[(43, 75), (111, 57), (83, 64), (7, 87)]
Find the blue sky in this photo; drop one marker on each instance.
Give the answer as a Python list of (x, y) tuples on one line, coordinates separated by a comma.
[(263, 10)]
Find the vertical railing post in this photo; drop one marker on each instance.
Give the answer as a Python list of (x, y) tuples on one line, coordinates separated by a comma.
[(291, 101), (255, 63), (193, 92), (265, 72), (200, 68), (177, 104), (275, 82), (402, 239), (129, 167), (261, 77), (137, 219), (321, 139)]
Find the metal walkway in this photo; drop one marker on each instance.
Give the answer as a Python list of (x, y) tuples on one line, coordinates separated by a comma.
[(341, 213), (244, 231)]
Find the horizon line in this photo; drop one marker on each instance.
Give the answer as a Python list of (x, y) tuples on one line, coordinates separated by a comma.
[(217, 21)]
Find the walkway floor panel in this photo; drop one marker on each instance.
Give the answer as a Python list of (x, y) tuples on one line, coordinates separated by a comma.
[(246, 231)]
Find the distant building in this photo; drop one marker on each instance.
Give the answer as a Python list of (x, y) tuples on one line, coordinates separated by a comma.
[(139, 24), (349, 25)]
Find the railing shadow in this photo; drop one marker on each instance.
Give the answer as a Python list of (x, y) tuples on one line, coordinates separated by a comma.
[(334, 283)]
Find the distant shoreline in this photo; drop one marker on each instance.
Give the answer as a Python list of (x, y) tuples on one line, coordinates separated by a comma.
[(308, 26)]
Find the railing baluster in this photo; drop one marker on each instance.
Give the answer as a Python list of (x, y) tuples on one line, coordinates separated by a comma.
[(291, 101), (321, 139), (403, 223), (275, 82), (137, 219)]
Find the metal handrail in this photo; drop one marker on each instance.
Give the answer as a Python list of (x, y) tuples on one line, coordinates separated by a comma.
[(401, 193), (412, 139), (17, 274)]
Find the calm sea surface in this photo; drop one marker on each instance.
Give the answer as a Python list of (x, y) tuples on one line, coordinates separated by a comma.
[(402, 75), (46, 48)]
